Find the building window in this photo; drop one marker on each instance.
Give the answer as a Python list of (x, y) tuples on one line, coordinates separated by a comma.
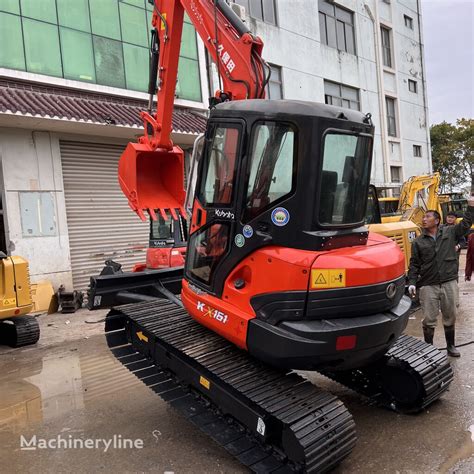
[(341, 95), (412, 86), (396, 174), (417, 151), (336, 27), (386, 47), (263, 10), (274, 89), (391, 117), (96, 41), (408, 21)]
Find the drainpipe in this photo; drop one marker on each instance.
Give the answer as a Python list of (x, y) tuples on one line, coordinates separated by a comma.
[(423, 82), (383, 131)]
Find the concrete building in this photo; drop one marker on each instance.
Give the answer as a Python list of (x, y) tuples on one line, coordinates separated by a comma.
[(73, 76), (366, 55), (72, 82)]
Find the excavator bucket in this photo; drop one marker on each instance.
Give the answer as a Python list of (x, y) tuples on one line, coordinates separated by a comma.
[(153, 180)]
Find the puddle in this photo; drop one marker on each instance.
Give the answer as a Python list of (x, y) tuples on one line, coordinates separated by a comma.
[(465, 451), (56, 384)]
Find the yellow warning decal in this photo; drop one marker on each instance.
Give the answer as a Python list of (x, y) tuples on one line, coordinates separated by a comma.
[(204, 382), (162, 24), (328, 278), (9, 302), (142, 336)]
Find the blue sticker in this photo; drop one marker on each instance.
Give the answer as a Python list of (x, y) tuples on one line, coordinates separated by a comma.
[(248, 231), (280, 216)]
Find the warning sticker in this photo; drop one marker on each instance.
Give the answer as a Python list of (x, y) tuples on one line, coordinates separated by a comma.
[(9, 302), (328, 278)]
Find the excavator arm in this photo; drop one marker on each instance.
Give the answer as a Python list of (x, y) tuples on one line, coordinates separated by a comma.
[(420, 191), (151, 172)]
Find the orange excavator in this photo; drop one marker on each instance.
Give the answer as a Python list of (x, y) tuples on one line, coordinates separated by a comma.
[(280, 272)]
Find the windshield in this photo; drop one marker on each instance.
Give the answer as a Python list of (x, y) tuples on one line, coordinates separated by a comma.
[(272, 166), (161, 229), (345, 179), (217, 185)]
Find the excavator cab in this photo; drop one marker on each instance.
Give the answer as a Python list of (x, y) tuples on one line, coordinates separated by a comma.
[(286, 173), (278, 242)]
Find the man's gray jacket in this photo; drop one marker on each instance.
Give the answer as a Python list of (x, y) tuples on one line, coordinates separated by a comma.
[(434, 261)]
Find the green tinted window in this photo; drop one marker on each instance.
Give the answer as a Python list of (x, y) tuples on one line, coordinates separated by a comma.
[(136, 67), (134, 27), (42, 48), (137, 3), (78, 59), (10, 33), (189, 84), (44, 10), (12, 6), (74, 14), (109, 62), (188, 42), (105, 18)]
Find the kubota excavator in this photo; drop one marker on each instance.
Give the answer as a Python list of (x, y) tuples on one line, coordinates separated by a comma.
[(280, 271)]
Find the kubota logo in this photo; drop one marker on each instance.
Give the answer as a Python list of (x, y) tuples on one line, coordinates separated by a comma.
[(211, 312), (224, 214)]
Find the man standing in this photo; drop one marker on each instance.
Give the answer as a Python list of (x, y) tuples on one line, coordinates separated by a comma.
[(434, 270), (461, 243)]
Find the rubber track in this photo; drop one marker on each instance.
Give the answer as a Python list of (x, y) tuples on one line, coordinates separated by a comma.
[(427, 370), (294, 409), (24, 331)]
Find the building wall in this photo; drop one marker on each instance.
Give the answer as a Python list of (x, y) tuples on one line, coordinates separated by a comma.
[(30, 162), (294, 43)]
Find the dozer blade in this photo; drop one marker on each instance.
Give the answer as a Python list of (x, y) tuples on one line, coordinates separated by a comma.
[(153, 180)]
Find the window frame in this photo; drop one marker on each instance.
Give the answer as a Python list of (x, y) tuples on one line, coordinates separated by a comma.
[(417, 151), (193, 90), (279, 83), (413, 86), (400, 174), (248, 167), (200, 186), (387, 49), (248, 10), (408, 21), (339, 131), (388, 117), (337, 21), (341, 97)]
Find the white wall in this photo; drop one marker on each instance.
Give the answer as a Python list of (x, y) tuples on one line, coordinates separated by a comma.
[(30, 161), (294, 44)]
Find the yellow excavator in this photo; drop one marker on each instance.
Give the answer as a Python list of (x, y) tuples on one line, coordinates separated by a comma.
[(403, 233), (17, 328)]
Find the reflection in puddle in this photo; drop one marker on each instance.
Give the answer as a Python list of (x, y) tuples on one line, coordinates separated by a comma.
[(465, 451), (32, 392)]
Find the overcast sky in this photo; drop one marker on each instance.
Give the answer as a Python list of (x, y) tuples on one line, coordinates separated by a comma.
[(448, 27)]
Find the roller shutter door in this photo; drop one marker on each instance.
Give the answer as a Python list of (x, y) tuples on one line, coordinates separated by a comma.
[(100, 223)]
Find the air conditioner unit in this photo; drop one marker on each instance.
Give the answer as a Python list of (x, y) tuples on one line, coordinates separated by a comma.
[(239, 10)]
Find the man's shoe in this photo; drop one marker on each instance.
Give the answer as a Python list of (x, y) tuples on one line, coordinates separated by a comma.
[(428, 334), (449, 333)]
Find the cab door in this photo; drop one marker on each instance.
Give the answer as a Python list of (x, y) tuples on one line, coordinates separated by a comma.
[(215, 205)]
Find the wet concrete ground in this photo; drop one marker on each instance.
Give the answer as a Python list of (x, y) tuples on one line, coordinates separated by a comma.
[(70, 386)]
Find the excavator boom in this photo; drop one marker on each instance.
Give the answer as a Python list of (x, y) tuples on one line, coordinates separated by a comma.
[(151, 172)]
